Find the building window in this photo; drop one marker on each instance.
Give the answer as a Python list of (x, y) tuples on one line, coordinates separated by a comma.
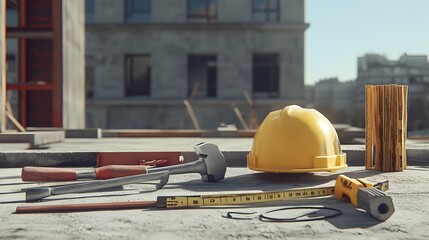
[(266, 10), (202, 76), (137, 11), (89, 11), (11, 69), (202, 10), (137, 75), (266, 75), (89, 81)]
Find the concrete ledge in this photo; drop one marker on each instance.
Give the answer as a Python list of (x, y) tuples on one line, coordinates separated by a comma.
[(35, 139), (189, 133), (417, 155), (73, 133)]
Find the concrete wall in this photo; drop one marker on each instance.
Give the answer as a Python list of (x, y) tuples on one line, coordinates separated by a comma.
[(169, 51), (234, 11), (109, 11), (2, 65), (174, 13), (73, 43)]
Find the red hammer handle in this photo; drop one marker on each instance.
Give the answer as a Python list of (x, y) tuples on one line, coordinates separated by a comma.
[(46, 174), (115, 171)]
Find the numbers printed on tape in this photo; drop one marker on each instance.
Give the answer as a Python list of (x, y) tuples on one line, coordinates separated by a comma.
[(237, 199)]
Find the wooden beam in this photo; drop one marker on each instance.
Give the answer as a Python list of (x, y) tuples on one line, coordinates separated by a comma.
[(191, 114)]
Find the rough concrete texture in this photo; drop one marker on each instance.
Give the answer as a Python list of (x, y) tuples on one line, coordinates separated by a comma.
[(408, 190)]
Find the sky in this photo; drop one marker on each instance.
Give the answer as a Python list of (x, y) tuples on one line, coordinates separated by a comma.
[(342, 30)]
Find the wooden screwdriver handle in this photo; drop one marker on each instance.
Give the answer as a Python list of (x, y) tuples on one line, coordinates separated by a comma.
[(86, 207), (48, 174), (115, 171)]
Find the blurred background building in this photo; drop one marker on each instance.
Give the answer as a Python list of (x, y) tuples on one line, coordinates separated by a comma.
[(143, 58), (343, 102)]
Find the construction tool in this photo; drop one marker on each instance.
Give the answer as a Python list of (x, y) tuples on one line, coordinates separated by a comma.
[(52, 174), (363, 194), (38, 193), (157, 159), (296, 140), (346, 187), (48, 174), (211, 166), (112, 164)]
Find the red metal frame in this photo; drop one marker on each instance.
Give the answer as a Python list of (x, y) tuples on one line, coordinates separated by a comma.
[(55, 85)]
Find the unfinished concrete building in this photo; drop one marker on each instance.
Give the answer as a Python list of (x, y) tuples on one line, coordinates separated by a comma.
[(42, 63), (145, 57)]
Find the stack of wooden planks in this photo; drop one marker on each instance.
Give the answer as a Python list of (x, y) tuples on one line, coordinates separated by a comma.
[(385, 127)]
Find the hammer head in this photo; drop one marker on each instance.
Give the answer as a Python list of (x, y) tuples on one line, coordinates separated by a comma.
[(214, 161)]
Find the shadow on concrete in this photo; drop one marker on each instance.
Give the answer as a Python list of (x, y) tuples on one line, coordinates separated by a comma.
[(39, 147), (351, 217), (266, 181), (418, 168), (15, 183)]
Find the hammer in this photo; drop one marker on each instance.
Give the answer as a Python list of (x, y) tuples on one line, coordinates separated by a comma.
[(211, 165)]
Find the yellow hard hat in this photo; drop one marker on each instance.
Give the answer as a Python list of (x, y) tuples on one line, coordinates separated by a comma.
[(295, 140)]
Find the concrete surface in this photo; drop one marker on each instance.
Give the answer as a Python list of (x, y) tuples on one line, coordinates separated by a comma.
[(71, 133), (409, 190), (34, 139)]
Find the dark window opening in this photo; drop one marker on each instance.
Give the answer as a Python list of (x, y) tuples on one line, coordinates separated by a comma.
[(202, 76), (202, 10), (137, 75), (89, 11), (266, 75), (11, 17), (137, 11), (89, 81), (11, 69), (266, 10)]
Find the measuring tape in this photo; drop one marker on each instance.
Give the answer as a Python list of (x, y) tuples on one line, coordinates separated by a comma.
[(248, 198)]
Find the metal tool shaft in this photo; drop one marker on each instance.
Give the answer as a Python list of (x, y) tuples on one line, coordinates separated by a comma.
[(192, 167), (34, 194)]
